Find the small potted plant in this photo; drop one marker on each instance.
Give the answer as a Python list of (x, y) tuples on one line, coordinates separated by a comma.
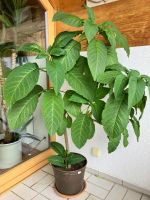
[(102, 91)]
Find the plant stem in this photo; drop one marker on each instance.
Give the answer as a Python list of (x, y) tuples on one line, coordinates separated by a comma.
[(66, 141)]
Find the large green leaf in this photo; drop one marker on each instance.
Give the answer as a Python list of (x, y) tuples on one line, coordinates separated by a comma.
[(115, 116), (81, 84), (136, 91), (119, 85), (136, 127), (71, 107), (52, 110), (58, 148), (20, 82), (97, 57), (63, 38), (78, 99), (68, 19), (57, 51), (31, 47), (91, 130), (80, 130), (72, 54), (113, 144), (101, 92), (107, 77), (56, 74), (97, 109), (21, 111), (112, 57), (125, 138), (90, 29), (57, 161), (74, 158), (117, 67), (62, 127)]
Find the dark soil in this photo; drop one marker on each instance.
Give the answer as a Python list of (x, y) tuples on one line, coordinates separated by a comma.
[(10, 138)]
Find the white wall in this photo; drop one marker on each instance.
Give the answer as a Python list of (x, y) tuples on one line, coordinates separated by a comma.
[(133, 163)]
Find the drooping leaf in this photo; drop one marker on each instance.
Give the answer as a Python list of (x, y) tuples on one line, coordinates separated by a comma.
[(80, 130), (97, 57), (69, 121), (56, 74), (74, 158), (81, 84), (112, 57), (141, 105), (125, 138), (136, 127), (136, 91), (78, 99), (31, 47), (62, 127), (91, 130), (20, 82), (90, 29), (117, 67), (113, 144), (71, 56), (58, 148), (71, 107), (101, 92), (52, 110), (119, 85), (57, 161), (147, 79), (22, 110), (111, 37), (63, 38), (97, 109), (107, 77), (115, 116), (68, 19)]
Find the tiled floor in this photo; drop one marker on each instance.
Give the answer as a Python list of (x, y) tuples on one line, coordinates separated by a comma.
[(40, 186)]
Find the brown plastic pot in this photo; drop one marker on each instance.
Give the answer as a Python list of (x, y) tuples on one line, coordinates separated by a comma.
[(70, 182)]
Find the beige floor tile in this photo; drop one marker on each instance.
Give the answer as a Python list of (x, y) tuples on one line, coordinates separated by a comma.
[(87, 175), (48, 169), (51, 194), (34, 178), (107, 185), (84, 196), (117, 193), (145, 198), (131, 195), (24, 192), (9, 196), (97, 191), (39, 197), (43, 183), (91, 197)]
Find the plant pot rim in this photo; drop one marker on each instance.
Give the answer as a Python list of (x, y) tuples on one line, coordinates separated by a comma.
[(64, 170), (12, 143)]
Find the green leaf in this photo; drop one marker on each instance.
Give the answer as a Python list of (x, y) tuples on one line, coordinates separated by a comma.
[(72, 54), (57, 51), (147, 79), (136, 127), (91, 14), (119, 85), (136, 91), (91, 130), (21, 111), (141, 105), (62, 127), (101, 92), (81, 84), (5, 71), (68, 19), (112, 57), (57, 161), (97, 57), (56, 74), (58, 148), (80, 130), (125, 138), (111, 36), (90, 29), (63, 38), (42, 56), (31, 47), (107, 77), (117, 67), (113, 144), (97, 109), (74, 158), (52, 110), (115, 116), (71, 107), (20, 82), (69, 121), (5, 20), (78, 99)]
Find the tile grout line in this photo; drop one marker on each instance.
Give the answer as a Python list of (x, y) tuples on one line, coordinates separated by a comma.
[(110, 190), (125, 193), (16, 195)]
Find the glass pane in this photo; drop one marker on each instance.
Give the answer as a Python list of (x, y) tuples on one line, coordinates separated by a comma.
[(21, 21)]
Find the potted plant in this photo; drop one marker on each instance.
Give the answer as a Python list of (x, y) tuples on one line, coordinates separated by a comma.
[(102, 91)]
